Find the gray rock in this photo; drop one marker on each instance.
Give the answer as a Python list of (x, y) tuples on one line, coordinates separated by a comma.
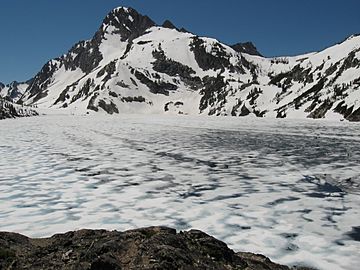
[(168, 24), (246, 47), (147, 248), (129, 29), (11, 110)]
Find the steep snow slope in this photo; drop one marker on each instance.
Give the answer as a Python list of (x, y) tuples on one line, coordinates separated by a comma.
[(315, 85), (133, 66)]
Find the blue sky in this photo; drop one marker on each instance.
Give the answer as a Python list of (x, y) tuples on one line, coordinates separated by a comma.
[(32, 32)]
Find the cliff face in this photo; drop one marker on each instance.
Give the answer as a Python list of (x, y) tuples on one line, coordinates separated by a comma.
[(147, 248)]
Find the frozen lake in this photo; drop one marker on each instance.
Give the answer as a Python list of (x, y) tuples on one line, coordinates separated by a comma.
[(289, 189)]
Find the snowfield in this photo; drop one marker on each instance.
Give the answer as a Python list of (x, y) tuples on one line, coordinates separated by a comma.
[(288, 189)]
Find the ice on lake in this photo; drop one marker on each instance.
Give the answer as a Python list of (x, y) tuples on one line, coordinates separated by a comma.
[(289, 189)]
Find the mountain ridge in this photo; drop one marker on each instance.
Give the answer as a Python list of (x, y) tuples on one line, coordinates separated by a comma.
[(132, 65)]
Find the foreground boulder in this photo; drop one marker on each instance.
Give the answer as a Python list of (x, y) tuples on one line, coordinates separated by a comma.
[(148, 248)]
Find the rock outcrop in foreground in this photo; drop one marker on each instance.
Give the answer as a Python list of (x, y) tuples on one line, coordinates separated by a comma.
[(148, 248)]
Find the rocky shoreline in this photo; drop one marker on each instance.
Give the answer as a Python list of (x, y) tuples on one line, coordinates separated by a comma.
[(146, 248)]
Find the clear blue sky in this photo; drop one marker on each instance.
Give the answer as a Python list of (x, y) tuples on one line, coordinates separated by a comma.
[(32, 32)]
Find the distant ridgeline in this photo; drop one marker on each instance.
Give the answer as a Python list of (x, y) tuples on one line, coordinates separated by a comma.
[(132, 65)]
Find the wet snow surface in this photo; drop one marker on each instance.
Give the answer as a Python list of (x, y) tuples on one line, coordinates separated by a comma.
[(286, 188)]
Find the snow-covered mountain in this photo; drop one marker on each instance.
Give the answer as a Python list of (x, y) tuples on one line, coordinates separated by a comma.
[(131, 65), (13, 91)]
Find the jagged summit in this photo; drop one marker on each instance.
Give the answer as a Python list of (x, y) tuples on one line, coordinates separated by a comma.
[(122, 9), (127, 22), (168, 24), (246, 47)]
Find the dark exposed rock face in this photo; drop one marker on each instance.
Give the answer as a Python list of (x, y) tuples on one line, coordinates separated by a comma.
[(10, 110), (110, 108), (183, 30), (348, 112), (244, 111), (148, 248), (156, 87), (247, 47), (168, 24), (85, 55), (218, 59), (207, 61), (139, 99), (41, 81), (127, 22), (173, 68), (170, 67), (7, 113), (297, 74), (213, 93)]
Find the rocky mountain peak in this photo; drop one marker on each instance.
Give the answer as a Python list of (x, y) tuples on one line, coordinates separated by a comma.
[(126, 22), (168, 24), (2, 85), (246, 47), (14, 84)]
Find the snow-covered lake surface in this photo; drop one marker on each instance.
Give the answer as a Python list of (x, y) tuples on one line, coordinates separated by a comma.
[(289, 189)]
